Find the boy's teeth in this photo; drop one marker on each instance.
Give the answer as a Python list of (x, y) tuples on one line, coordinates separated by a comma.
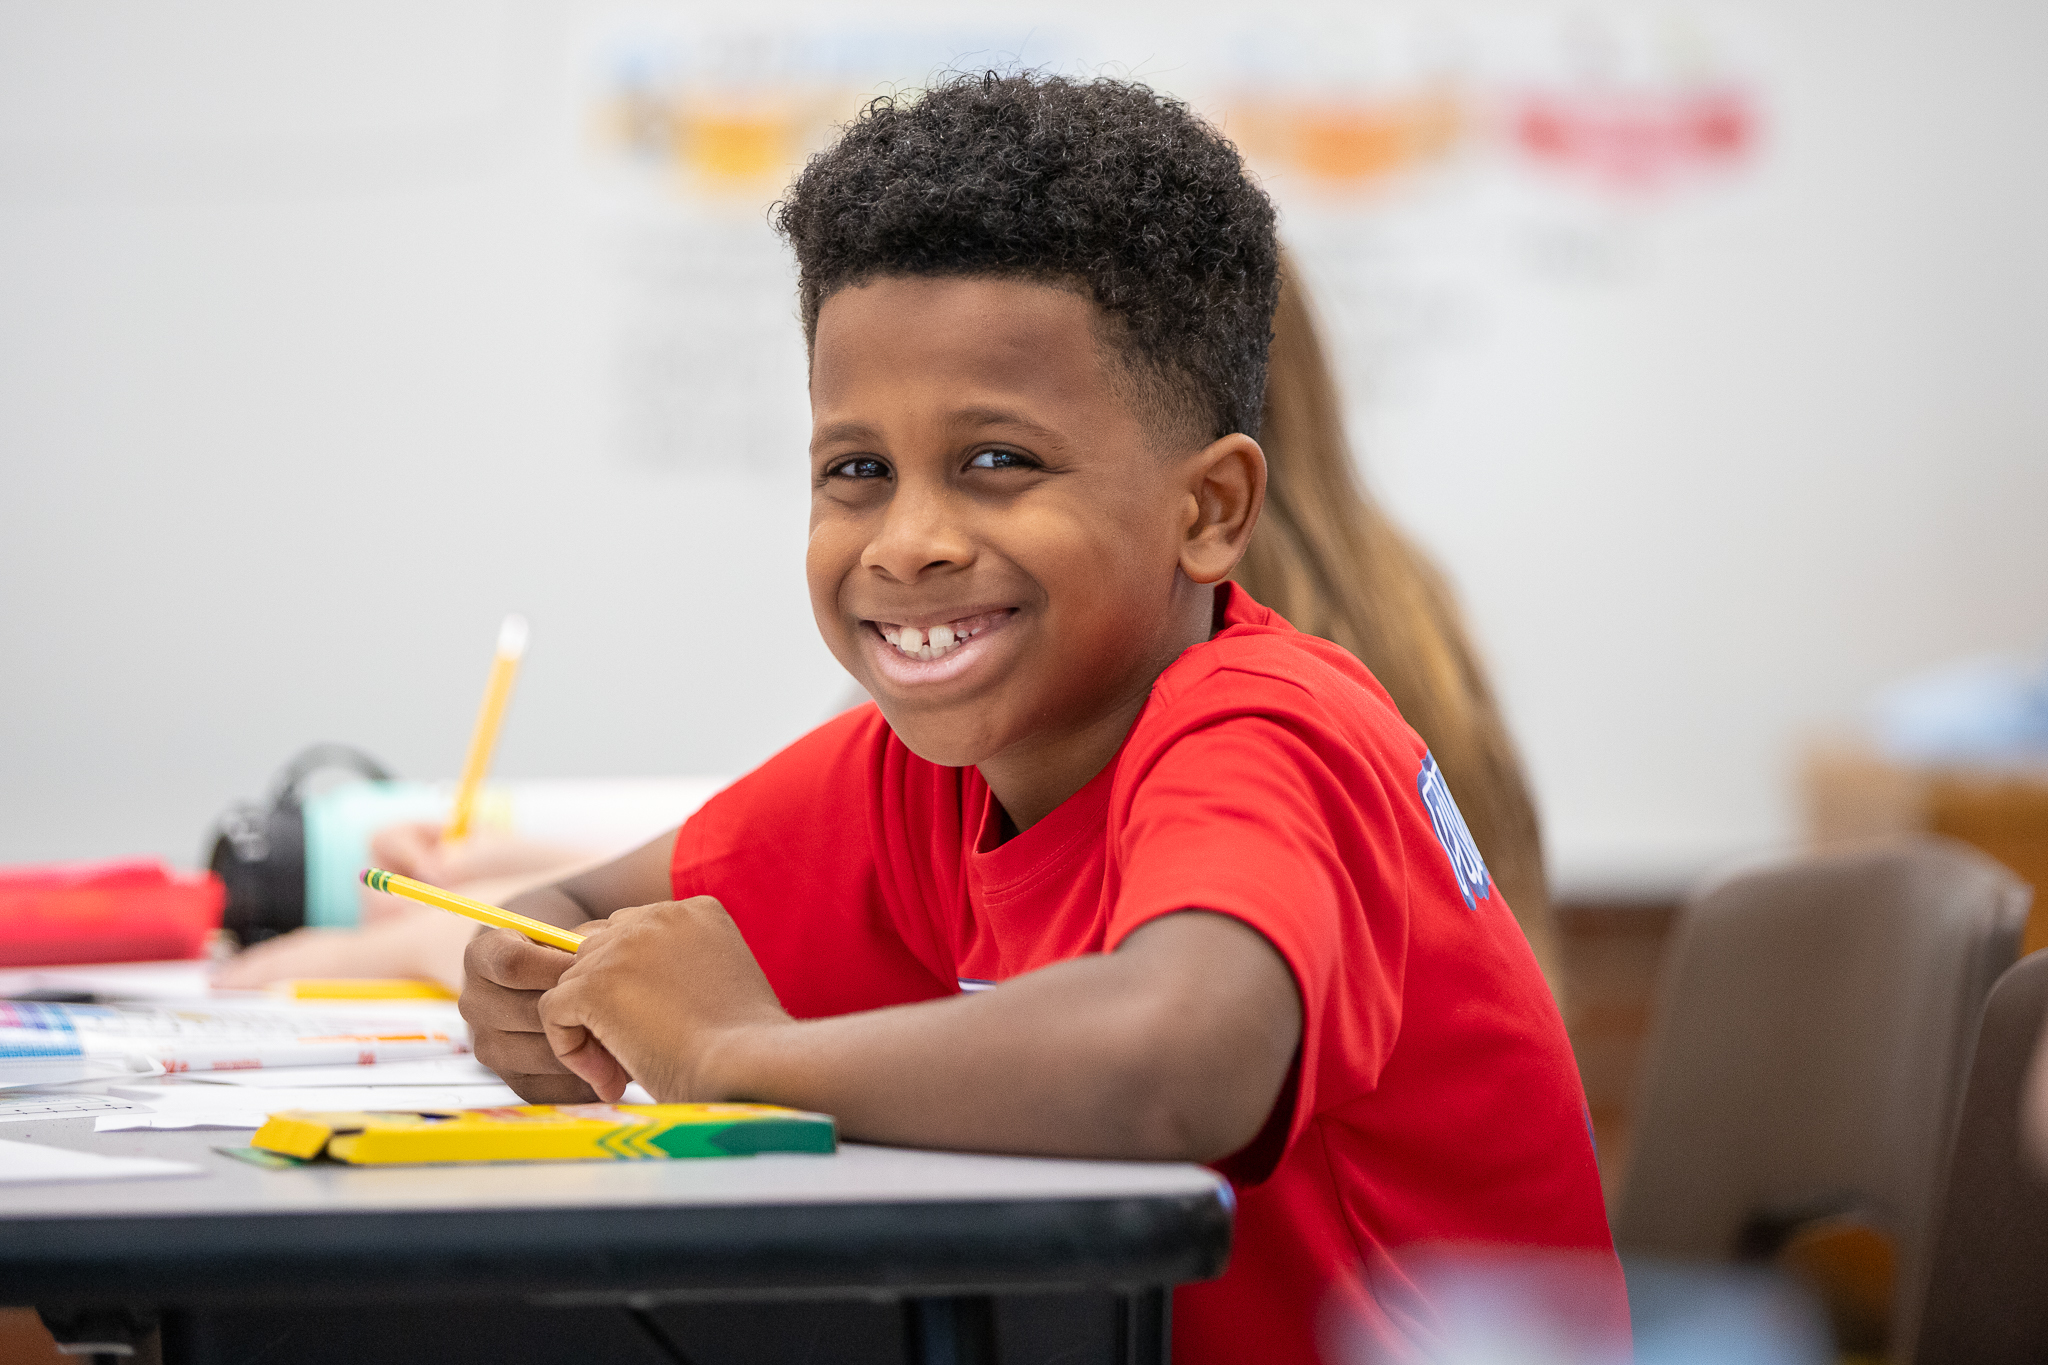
[(926, 644)]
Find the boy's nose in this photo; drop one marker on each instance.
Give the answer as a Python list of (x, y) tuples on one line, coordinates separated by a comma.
[(919, 535)]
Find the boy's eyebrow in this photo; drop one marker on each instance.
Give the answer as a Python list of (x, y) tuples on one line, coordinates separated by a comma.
[(998, 417), (853, 429), (848, 430)]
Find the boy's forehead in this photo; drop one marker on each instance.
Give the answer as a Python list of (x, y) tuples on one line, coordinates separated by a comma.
[(1008, 333)]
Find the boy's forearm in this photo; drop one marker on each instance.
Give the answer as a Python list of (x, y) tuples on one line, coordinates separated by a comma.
[(637, 878), (551, 905), (1099, 1056)]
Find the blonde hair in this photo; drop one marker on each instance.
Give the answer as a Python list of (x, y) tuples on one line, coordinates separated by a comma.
[(1329, 560)]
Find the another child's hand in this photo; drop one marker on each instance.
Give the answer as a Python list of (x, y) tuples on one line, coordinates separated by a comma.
[(414, 849), (650, 995), (411, 849), (412, 941), (504, 977)]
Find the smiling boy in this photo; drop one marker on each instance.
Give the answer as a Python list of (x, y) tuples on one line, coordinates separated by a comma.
[(1118, 864)]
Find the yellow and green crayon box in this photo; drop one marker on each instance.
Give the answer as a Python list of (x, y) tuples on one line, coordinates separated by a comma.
[(546, 1132)]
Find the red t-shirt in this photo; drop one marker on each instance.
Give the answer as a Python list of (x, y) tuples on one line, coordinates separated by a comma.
[(1434, 1101)]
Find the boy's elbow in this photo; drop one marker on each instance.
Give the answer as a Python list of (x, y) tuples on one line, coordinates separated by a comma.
[(1188, 1132), (1213, 1025), (1198, 1094)]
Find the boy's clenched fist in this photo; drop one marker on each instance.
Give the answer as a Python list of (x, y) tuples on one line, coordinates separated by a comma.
[(651, 995)]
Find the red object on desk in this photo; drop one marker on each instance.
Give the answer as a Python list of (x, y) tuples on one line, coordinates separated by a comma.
[(126, 910)]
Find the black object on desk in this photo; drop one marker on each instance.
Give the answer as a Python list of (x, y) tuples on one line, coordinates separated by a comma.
[(258, 849), (659, 1260)]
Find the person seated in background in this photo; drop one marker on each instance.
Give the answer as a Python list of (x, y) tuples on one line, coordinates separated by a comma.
[(1328, 558), (1117, 863), (1324, 555)]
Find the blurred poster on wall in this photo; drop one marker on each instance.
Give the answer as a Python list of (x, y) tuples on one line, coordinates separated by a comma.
[(1423, 159), (1699, 341), (1463, 187)]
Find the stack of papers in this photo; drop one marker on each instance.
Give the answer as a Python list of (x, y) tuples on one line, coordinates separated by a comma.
[(49, 1043), (188, 1107), (244, 1099), (179, 1061), (446, 1071)]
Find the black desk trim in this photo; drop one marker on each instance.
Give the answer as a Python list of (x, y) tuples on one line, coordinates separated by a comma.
[(923, 1248)]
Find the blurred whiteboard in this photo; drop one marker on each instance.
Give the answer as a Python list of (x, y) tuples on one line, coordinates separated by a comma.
[(1700, 341)]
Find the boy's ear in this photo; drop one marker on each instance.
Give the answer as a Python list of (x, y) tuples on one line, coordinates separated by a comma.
[(1226, 487)]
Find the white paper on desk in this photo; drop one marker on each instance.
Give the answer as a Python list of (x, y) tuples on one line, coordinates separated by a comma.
[(128, 1123), (38, 1071), (193, 1106), (188, 979), (25, 1162), (42, 1106), (463, 1070)]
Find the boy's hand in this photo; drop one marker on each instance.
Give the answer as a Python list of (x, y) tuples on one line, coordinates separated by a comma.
[(651, 994), (505, 976)]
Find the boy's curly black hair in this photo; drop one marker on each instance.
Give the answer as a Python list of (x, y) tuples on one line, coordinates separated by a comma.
[(1103, 183)]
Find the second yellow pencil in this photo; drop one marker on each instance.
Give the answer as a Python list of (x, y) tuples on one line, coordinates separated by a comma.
[(484, 739)]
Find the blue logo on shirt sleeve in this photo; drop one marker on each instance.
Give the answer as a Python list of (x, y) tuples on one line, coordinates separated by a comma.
[(1473, 882)]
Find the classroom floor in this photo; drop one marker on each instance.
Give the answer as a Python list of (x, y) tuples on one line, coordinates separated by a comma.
[(23, 1341)]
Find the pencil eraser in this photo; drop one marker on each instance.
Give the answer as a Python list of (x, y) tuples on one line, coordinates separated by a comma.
[(512, 637)]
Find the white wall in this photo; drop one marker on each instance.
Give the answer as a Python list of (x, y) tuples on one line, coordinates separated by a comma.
[(1800, 450), (312, 326)]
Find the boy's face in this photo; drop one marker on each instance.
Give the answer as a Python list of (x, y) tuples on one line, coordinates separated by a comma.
[(996, 535)]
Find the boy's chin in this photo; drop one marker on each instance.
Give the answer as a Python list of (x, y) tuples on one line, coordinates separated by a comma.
[(949, 741)]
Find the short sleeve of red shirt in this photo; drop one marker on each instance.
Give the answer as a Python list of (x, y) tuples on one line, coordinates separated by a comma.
[(1248, 816), (789, 850)]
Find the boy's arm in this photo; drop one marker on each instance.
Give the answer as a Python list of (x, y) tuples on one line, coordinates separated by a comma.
[(1173, 1047), (505, 974), (637, 878)]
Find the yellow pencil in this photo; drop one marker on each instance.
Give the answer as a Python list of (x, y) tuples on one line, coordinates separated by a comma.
[(377, 879), (361, 988), (484, 739)]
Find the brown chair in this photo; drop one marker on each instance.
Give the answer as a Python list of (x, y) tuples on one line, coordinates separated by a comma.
[(1986, 1301), (1812, 1025)]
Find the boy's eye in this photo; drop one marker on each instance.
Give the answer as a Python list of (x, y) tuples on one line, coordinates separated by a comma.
[(859, 467), (999, 459)]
